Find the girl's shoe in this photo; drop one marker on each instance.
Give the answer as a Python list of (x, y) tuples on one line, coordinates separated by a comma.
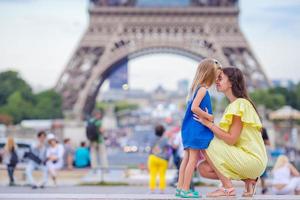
[(222, 192), (189, 194), (177, 192)]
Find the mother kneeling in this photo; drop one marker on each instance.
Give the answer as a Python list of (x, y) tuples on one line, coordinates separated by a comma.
[(237, 151)]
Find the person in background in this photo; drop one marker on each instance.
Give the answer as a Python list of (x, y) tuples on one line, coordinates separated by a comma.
[(158, 159), (264, 176), (97, 144), (82, 156), (54, 156), (39, 150), (178, 152), (10, 158), (286, 178), (69, 154)]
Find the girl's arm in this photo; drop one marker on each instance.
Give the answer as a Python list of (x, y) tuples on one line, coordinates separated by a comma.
[(196, 102), (230, 137)]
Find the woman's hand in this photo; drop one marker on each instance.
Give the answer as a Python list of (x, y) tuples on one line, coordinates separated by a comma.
[(204, 121), (210, 117)]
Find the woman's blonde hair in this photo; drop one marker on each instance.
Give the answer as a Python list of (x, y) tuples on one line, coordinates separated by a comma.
[(281, 161), (10, 144), (205, 74)]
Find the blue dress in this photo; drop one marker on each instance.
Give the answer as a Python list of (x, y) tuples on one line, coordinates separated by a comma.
[(194, 134)]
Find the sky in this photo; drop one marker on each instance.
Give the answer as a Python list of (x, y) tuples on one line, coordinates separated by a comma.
[(38, 37)]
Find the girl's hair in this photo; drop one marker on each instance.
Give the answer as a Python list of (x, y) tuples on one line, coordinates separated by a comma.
[(281, 161), (10, 144), (238, 85), (205, 74)]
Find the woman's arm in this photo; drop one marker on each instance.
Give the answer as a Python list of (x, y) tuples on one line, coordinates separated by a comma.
[(196, 102), (294, 171), (230, 137)]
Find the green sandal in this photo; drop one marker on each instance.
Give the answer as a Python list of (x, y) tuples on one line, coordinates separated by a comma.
[(177, 192), (189, 194)]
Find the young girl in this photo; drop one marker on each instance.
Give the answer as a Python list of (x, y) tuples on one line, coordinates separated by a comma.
[(196, 136)]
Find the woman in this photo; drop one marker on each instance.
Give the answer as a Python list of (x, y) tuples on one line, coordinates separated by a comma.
[(54, 156), (10, 158), (286, 178), (237, 151)]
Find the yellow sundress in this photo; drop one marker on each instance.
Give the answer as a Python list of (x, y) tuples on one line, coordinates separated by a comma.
[(247, 158)]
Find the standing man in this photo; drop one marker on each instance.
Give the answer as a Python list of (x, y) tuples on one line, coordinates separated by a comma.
[(95, 133), (37, 158)]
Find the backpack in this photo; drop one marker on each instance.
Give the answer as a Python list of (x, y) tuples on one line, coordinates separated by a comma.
[(92, 132), (13, 158)]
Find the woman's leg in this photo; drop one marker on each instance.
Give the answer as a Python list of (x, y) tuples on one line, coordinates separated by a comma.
[(227, 189), (52, 171), (182, 169), (190, 168), (292, 187), (206, 171), (10, 171), (226, 182)]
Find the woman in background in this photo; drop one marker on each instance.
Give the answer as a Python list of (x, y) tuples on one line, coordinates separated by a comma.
[(286, 178), (10, 158)]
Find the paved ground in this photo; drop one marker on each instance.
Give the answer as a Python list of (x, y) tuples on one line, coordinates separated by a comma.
[(96, 192)]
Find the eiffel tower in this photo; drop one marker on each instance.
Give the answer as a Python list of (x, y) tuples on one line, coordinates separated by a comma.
[(120, 30)]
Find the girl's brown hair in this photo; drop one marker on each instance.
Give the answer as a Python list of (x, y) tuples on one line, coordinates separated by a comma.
[(205, 74)]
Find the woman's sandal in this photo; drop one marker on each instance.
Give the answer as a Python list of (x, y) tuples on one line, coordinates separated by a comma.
[(189, 194), (252, 183), (222, 192)]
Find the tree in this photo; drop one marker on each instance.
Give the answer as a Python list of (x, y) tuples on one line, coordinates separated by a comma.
[(17, 102), (17, 107), (268, 99), (48, 105), (10, 82)]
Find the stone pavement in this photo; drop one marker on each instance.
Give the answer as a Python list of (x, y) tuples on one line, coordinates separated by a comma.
[(109, 192), (123, 196)]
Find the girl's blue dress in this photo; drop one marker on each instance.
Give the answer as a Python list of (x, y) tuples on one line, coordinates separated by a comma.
[(194, 134)]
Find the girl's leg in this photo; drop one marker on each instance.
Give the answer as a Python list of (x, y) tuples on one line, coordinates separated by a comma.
[(189, 170), (182, 169)]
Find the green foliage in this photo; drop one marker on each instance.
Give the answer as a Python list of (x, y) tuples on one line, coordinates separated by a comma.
[(10, 82), (268, 99), (124, 105), (48, 105), (17, 102), (276, 97), (102, 106)]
